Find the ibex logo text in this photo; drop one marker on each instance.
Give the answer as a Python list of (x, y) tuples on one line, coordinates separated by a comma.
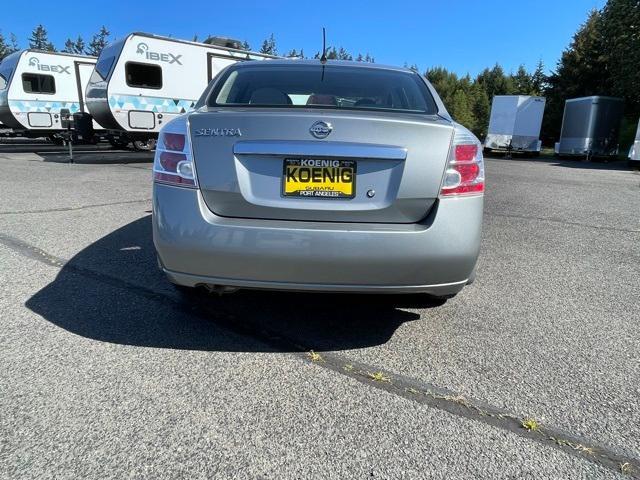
[(34, 62), (143, 49)]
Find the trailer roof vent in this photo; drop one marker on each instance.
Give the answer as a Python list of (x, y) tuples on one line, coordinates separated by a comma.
[(224, 42)]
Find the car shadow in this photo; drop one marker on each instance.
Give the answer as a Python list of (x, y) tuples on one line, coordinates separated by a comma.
[(112, 291)]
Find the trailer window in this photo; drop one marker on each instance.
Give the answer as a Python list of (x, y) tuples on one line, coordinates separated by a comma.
[(4, 78), (143, 75), (36, 83), (103, 67)]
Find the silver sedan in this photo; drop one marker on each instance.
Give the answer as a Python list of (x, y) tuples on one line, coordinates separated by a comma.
[(302, 175)]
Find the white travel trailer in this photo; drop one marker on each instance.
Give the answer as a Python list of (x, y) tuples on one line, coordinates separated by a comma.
[(515, 123), (634, 153), (36, 85), (142, 81), (590, 127)]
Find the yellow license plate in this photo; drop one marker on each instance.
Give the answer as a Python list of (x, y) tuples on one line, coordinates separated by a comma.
[(317, 178)]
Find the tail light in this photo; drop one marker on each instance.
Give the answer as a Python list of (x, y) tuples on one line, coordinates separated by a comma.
[(465, 167), (173, 163)]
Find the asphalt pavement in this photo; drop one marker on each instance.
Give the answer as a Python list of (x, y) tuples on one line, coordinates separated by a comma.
[(107, 372)]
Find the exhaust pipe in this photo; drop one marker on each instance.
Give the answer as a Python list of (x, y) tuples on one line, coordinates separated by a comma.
[(220, 289)]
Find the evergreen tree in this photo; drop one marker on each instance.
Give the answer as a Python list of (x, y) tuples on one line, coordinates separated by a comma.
[(14, 47), (76, 47), (344, 55), (538, 80), (4, 48), (446, 83), (620, 39), (246, 46), (269, 46), (40, 40), (8, 48), (80, 45), (522, 82), (481, 109), (581, 71), (98, 42), (195, 38), (68, 46), (495, 82), (461, 109), (360, 58)]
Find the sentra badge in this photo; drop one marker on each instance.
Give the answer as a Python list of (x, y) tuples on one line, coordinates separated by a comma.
[(218, 132)]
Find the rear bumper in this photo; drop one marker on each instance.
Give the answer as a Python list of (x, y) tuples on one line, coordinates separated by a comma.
[(195, 246)]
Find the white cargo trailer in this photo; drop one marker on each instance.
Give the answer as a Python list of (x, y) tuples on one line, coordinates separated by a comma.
[(515, 123), (142, 81), (35, 86), (634, 153), (590, 127)]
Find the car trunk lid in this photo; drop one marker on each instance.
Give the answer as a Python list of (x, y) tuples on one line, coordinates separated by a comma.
[(250, 161)]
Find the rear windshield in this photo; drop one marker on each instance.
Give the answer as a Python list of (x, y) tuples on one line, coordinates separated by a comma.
[(315, 86)]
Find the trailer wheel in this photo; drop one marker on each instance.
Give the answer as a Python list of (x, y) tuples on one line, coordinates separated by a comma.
[(56, 140), (145, 145), (118, 142)]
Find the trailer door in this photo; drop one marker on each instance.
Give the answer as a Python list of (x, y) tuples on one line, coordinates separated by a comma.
[(84, 70), (216, 62), (83, 74)]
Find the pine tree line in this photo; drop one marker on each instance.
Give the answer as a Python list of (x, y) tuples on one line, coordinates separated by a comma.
[(39, 40), (333, 53)]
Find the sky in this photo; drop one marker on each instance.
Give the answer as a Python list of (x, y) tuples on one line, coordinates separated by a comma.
[(464, 36)]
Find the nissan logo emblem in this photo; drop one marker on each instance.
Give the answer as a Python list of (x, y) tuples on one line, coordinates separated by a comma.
[(321, 129)]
